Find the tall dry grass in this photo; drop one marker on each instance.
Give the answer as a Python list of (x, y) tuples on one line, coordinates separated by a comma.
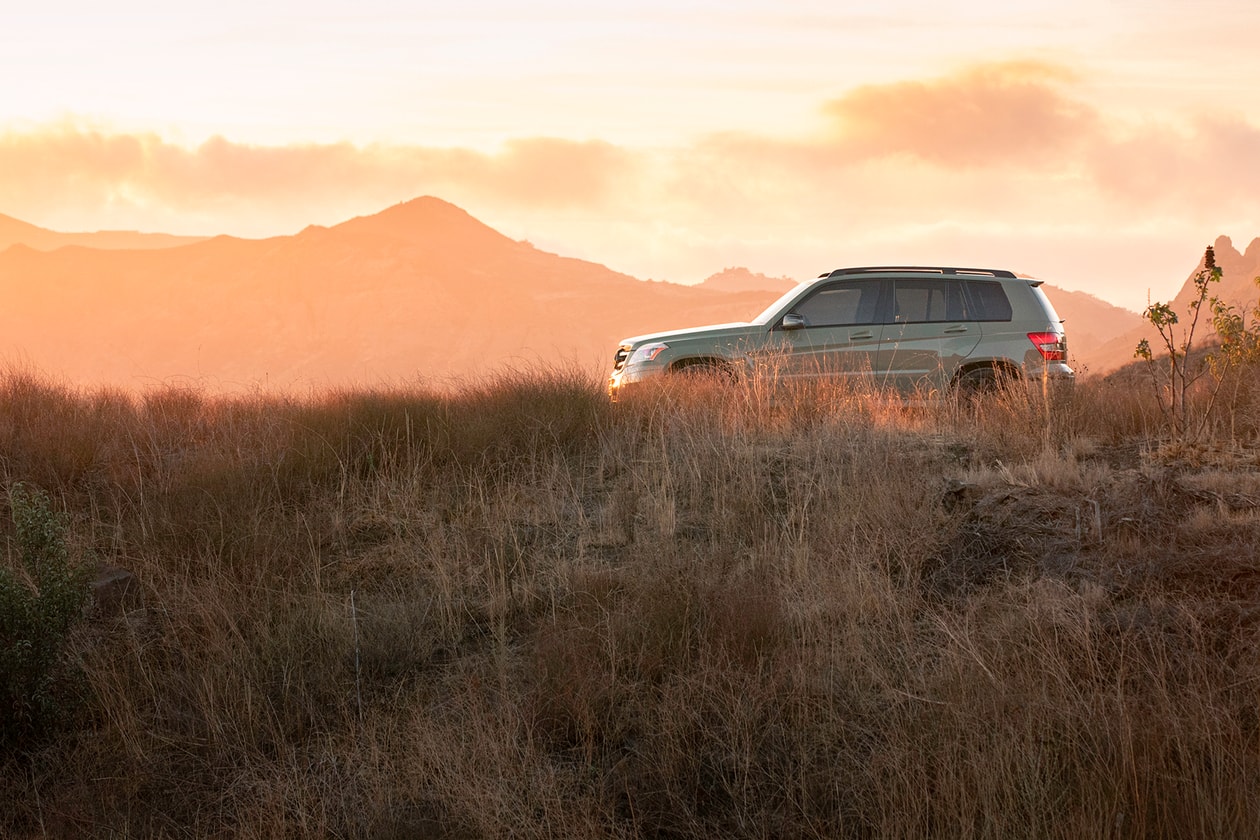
[(515, 609)]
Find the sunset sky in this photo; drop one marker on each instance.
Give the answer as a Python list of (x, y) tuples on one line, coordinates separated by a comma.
[(1099, 145)]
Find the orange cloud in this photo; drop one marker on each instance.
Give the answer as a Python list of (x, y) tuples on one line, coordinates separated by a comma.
[(1015, 133), (1203, 165), (989, 114), (86, 167)]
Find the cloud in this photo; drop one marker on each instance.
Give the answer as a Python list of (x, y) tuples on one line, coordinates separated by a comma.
[(86, 167), (1019, 130), (1022, 136), (1202, 165), (989, 114), (911, 146)]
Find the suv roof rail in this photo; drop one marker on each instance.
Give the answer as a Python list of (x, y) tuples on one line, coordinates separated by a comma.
[(920, 269)]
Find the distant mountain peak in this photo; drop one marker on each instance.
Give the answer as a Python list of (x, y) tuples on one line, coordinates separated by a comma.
[(740, 279), (1252, 254), (430, 221), (426, 206), (428, 211), (1224, 246)]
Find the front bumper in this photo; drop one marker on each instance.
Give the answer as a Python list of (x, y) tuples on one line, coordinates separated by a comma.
[(618, 380)]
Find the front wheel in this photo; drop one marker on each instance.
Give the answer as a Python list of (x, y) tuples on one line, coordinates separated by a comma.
[(714, 372)]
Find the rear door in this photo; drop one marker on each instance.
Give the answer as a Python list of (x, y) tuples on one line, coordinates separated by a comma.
[(930, 334)]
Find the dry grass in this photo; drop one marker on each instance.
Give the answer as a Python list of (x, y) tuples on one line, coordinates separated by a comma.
[(518, 610)]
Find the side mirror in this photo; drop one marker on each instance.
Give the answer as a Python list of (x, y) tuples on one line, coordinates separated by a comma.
[(792, 321)]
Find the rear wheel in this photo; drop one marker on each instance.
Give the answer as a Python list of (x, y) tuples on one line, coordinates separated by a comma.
[(980, 382)]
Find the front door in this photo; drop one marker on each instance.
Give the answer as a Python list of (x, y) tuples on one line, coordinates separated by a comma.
[(840, 333)]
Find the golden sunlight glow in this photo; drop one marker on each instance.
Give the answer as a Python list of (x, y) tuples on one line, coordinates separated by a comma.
[(1095, 145)]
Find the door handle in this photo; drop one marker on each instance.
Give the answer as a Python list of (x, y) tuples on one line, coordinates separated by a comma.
[(957, 329), (863, 334)]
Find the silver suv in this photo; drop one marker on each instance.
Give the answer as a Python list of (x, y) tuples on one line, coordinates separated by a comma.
[(909, 328)]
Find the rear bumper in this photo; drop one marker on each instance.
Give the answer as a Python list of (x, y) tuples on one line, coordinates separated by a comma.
[(1055, 382)]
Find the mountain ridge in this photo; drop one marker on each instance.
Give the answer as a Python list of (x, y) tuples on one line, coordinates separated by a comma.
[(17, 232), (420, 289)]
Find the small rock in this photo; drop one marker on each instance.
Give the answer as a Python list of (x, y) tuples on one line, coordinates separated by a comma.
[(115, 592)]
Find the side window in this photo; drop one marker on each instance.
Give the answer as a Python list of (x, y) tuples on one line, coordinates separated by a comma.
[(989, 301), (923, 301), (916, 301), (851, 303)]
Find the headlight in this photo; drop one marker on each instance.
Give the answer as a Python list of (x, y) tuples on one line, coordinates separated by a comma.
[(647, 352)]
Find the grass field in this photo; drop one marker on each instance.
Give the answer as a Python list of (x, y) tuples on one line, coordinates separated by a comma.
[(514, 609)]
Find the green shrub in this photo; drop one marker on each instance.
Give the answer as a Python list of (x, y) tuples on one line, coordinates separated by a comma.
[(37, 611)]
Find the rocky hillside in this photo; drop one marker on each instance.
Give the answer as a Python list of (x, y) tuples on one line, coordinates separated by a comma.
[(1239, 270)]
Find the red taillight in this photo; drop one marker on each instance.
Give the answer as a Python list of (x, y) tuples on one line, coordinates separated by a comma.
[(1051, 346)]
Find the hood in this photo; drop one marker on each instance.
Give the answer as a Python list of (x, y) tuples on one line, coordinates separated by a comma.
[(714, 331)]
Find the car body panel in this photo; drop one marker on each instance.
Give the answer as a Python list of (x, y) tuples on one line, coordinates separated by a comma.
[(829, 351), (924, 354)]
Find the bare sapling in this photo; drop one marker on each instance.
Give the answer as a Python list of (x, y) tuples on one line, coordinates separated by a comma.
[(1182, 371)]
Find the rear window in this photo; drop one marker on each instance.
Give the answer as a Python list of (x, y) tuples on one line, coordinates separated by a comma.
[(988, 301)]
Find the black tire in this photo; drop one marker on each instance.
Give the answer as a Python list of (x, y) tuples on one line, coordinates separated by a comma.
[(979, 382), (714, 372)]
